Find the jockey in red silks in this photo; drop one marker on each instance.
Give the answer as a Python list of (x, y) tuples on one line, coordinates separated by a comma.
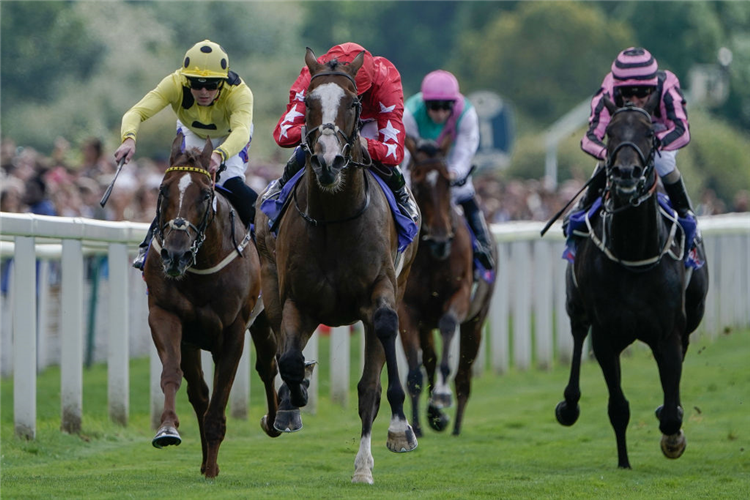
[(440, 110), (634, 76), (381, 127)]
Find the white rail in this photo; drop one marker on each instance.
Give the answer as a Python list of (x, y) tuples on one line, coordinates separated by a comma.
[(527, 311)]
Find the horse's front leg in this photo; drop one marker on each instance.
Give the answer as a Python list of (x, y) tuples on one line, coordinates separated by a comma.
[(668, 355), (296, 330), (198, 393), (265, 364), (401, 436), (369, 391), (618, 407), (215, 420), (166, 332), (471, 337), (409, 319), (441, 396)]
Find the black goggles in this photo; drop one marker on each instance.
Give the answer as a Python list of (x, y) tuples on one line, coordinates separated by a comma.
[(203, 83), (438, 105), (639, 92)]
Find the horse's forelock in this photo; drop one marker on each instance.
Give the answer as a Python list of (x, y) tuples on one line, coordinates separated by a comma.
[(191, 157)]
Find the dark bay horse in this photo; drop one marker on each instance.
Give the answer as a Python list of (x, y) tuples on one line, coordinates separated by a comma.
[(203, 277), (335, 260), (442, 291), (629, 282)]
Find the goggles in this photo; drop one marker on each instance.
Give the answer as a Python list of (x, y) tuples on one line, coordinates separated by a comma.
[(440, 105), (639, 92), (203, 83)]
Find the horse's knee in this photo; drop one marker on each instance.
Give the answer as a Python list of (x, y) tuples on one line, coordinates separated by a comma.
[(414, 381), (385, 323), (292, 367), (447, 324), (619, 413)]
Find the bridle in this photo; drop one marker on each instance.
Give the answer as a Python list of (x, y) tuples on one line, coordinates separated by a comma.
[(425, 228), (643, 190), (180, 224), (333, 129)]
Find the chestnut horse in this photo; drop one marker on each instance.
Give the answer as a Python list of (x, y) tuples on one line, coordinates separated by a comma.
[(442, 291), (203, 277), (335, 261), (629, 282)]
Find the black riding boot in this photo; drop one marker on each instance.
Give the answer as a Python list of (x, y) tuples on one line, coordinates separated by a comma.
[(242, 198), (679, 197), (594, 191), (394, 178), (140, 259), (295, 162), (475, 217)]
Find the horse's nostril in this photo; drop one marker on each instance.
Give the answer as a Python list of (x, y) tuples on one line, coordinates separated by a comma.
[(339, 162), (317, 161)]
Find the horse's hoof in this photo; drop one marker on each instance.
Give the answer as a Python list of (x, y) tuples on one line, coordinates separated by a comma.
[(437, 419), (288, 421), (364, 477), (166, 436), (565, 415), (673, 446), (401, 442), (272, 432)]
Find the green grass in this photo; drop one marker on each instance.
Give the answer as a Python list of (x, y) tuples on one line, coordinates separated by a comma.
[(511, 445)]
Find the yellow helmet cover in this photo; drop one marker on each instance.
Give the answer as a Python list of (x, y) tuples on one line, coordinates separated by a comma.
[(206, 59)]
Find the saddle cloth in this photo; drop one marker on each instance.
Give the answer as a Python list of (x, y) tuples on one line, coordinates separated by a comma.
[(577, 229), (275, 208)]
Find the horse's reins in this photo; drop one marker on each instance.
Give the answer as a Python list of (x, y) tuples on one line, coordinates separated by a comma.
[(639, 197), (180, 224), (430, 161)]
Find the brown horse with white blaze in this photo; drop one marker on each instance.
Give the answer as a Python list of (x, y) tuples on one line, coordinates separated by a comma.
[(335, 260), (203, 282)]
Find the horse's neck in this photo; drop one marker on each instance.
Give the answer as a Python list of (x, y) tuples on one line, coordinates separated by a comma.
[(344, 202), (635, 233)]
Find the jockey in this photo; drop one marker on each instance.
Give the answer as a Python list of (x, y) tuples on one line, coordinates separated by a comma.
[(381, 129), (634, 76), (210, 101), (440, 110)]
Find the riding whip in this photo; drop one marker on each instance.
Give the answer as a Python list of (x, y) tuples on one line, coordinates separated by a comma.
[(563, 209), (112, 184)]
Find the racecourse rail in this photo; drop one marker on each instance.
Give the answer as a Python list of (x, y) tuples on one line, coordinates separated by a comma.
[(44, 323)]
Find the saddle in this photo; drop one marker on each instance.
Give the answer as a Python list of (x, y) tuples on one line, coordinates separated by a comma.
[(582, 220)]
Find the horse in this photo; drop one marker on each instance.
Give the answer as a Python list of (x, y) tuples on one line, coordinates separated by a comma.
[(203, 283), (628, 282), (439, 291), (335, 260)]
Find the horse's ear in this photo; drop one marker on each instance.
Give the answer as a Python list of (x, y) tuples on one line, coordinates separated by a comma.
[(176, 148), (312, 62), (445, 144), (652, 102), (611, 107), (411, 144), (357, 63), (208, 150)]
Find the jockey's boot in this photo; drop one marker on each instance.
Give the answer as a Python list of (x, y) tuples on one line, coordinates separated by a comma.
[(476, 221), (140, 259), (594, 191), (679, 197), (295, 162), (394, 178), (242, 198)]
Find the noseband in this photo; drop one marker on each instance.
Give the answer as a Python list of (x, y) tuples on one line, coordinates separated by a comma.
[(180, 224), (333, 129)]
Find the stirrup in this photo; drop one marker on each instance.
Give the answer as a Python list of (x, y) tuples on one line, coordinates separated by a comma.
[(273, 191), (140, 260)]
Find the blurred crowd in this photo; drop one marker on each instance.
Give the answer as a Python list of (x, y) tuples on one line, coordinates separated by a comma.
[(56, 185)]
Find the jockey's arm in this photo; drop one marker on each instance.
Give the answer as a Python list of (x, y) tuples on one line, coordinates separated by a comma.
[(466, 145)]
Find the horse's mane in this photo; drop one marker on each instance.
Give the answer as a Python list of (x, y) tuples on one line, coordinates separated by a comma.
[(428, 147)]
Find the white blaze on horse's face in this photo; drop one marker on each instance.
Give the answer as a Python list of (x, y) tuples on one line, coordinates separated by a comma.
[(185, 181), (432, 177), (330, 96)]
